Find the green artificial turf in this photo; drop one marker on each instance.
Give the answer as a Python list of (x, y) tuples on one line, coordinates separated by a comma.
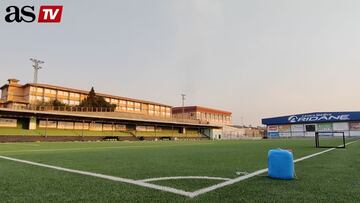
[(330, 177), (63, 132), (58, 132)]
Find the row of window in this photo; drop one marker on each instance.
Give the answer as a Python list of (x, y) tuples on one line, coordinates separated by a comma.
[(34, 99), (123, 105), (54, 92), (110, 100), (213, 117)]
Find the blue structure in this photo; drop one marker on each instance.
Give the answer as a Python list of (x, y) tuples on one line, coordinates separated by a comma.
[(281, 164), (316, 117), (309, 123)]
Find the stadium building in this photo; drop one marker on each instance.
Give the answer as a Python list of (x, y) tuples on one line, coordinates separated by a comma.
[(309, 123), (215, 117), (15, 95), (23, 118), (205, 114)]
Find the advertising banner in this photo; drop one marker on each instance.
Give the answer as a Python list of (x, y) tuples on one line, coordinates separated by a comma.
[(354, 125), (313, 118), (284, 128), (119, 127), (340, 126), (272, 128), (325, 127), (50, 124), (96, 126), (80, 126), (66, 125), (108, 127), (6, 122), (297, 128), (145, 128), (273, 134)]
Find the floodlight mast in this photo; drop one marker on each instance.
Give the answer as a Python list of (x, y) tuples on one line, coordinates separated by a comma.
[(36, 68), (183, 105)]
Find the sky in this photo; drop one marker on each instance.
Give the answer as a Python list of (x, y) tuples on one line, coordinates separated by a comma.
[(255, 58)]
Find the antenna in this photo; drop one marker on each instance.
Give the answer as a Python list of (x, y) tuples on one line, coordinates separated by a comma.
[(36, 68), (183, 102)]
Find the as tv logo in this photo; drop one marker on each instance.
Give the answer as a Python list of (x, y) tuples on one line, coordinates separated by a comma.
[(47, 14)]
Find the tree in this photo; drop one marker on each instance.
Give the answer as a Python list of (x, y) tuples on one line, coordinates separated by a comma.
[(54, 103), (93, 100)]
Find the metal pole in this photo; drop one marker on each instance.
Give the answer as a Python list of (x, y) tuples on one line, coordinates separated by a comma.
[(183, 105), (112, 129), (82, 130), (155, 130), (46, 126), (36, 68)]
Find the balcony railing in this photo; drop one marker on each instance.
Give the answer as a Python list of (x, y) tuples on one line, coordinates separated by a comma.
[(110, 112)]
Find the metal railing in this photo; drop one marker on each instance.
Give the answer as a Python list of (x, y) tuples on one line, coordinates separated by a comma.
[(109, 112), (69, 108)]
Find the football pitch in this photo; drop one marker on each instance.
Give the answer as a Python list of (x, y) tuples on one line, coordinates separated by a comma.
[(176, 171)]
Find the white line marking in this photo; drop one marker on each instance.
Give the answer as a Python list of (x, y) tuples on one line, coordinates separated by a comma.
[(184, 177), (163, 188), (250, 175), (107, 177)]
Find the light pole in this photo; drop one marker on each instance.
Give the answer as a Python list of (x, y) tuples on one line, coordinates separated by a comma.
[(183, 103), (36, 68)]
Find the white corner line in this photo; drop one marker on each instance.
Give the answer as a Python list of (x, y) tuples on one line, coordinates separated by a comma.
[(107, 177), (184, 177), (250, 175)]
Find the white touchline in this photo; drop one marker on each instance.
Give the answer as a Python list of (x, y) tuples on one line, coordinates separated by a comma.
[(183, 177), (144, 183), (113, 178), (250, 175)]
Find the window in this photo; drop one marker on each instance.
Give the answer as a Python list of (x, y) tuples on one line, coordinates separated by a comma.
[(39, 98), (129, 103), (137, 104), (46, 99), (74, 95), (39, 90), (107, 99), (62, 93), (47, 91), (73, 102), (114, 101), (122, 102)]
